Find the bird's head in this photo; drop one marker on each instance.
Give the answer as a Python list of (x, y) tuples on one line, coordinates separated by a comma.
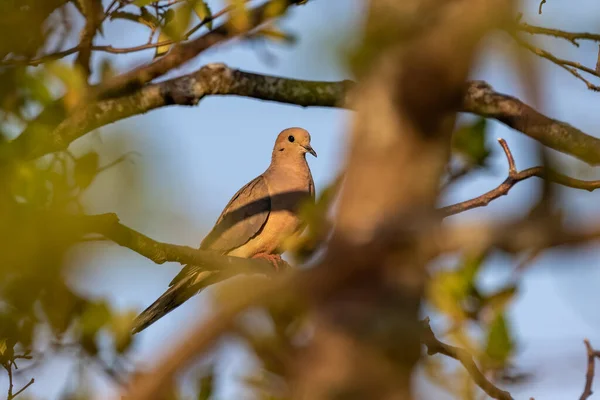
[(293, 141)]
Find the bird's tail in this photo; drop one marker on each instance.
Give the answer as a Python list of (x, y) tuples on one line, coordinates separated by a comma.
[(175, 296)]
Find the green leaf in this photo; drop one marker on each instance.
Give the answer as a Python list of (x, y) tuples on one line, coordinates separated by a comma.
[(177, 22), (162, 50), (447, 290), (86, 168), (277, 35), (469, 142), (94, 317), (145, 18), (499, 343), (142, 3), (120, 326), (498, 300), (203, 12), (3, 346), (206, 386)]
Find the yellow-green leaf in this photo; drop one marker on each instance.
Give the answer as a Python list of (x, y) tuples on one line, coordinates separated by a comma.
[(446, 291), (142, 3), (499, 343), (469, 142), (86, 168), (203, 12), (498, 300), (177, 25), (162, 50), (120, 326), (239, 16), (277, 35), (3, 346)]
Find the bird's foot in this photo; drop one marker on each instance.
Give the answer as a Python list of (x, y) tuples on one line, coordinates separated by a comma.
[(274, 259)]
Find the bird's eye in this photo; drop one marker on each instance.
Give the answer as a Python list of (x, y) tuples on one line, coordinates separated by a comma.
[(291, 138)]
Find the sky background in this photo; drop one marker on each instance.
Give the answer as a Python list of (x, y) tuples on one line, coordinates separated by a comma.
[(193, 159)]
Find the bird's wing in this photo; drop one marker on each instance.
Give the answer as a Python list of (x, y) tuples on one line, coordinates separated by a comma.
[(242, 219)]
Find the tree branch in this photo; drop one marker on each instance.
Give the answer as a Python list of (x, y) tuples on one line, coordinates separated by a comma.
[(589, 375), (513, 178), (572, 37), (179, 54), (434, 346), (109, 226), (212, 79), (481, 99), (218, 79)]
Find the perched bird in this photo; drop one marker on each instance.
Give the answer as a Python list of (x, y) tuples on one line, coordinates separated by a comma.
[(255, 222)]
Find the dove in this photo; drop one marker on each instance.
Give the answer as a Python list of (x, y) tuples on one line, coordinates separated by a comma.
[(254, 224)]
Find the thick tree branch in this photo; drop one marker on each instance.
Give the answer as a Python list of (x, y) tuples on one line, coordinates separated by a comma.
[(213, 79), (434, 346), (218, 79), (513, 178), (481, 99), (179, 54)]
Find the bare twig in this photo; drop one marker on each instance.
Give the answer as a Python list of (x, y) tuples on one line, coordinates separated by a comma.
[(180, 53), (513, 178), (570, 66), (31, 382), (116, 50), (434, 346), (589, 375), (572, 37), (8, 367)]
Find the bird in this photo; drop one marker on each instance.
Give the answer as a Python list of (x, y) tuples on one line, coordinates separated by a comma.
[(253, 224)]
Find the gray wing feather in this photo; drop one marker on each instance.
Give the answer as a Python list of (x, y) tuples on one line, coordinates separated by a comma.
[(242, 219)]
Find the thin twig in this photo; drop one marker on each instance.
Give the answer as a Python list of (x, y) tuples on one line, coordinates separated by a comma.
[(31, 382), (117, 50), (589, 375), (540, 8), (513, 178), (572, 37), (570, 66), (8, 368), (434, 346)]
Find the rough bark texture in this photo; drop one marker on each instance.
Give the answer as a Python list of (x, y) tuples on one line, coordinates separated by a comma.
[(218, 79)]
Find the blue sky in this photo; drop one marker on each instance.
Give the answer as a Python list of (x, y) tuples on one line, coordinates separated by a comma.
[(194, 158)]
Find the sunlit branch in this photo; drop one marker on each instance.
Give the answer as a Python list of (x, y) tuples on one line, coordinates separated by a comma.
[(513, 178), (434, 346)]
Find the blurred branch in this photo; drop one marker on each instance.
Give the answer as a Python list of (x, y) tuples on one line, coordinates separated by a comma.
[(218, 79), (180, 53), (513, 178), (434, 346), (109, 226)]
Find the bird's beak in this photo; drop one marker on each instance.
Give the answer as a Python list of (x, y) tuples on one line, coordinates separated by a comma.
[(310, 150)]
